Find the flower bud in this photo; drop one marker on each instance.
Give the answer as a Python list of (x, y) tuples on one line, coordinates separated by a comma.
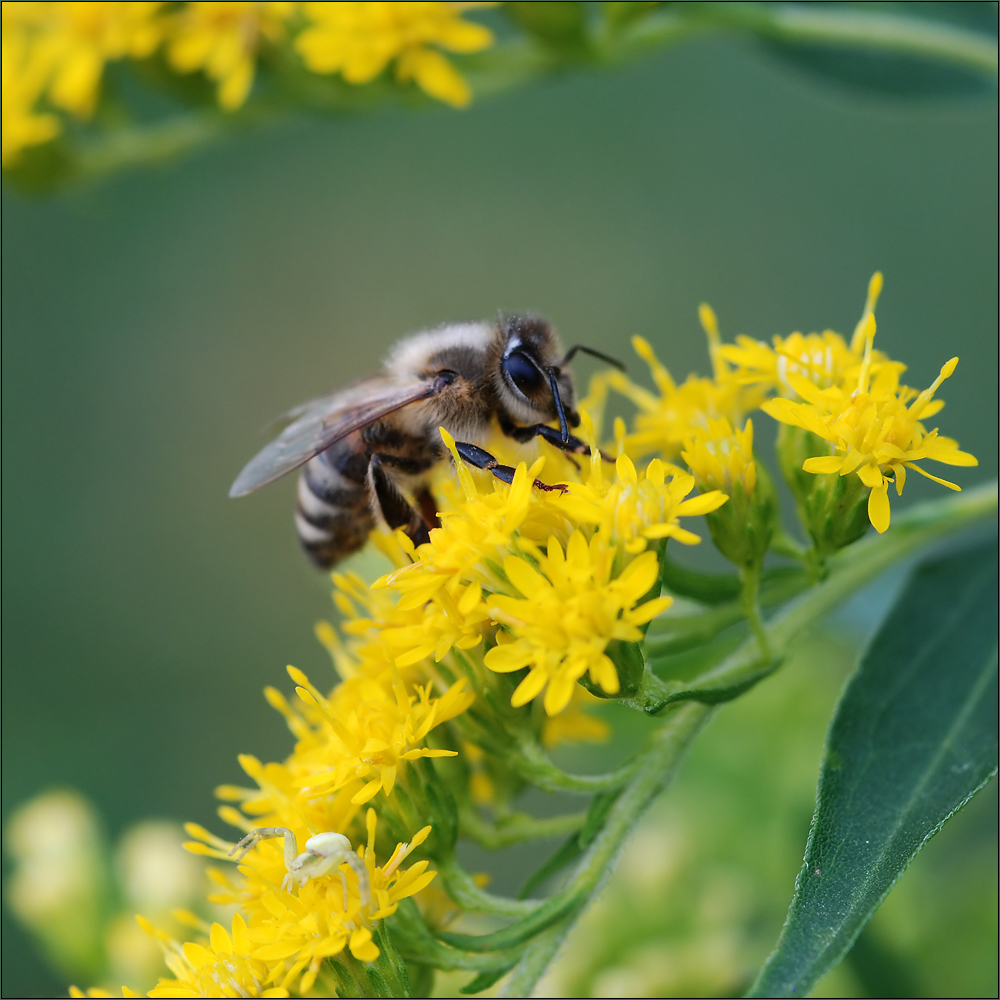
[(833, 509), (722, 459)]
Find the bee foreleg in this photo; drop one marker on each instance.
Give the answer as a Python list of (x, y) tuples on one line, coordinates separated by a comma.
[(572, 445), (395, 509), (482, 459)]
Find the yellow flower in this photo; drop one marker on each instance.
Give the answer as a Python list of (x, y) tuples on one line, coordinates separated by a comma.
[(825, 358), (874, 430), (664, 422), (442, 590), (359, 40), (365, 731), (720, 456), (219, 967), (631, 510), (24, 76), (570, 610), (291, 933), (222, 39), (71, 42)]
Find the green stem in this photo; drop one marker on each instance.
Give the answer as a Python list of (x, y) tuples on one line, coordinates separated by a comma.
[(536, 958), (751, 609), (655, 767), (531, 763), (413, 940), (850, 570), (516, 828), (668, 634), (463, 889), (147, 145)]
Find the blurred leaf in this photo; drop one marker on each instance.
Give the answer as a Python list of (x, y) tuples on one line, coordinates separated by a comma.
[(906, 72), (914, 737)]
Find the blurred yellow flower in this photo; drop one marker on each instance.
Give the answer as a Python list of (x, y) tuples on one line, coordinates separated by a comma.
[(359, 40), (221, 966), (222, 39), (57, 52)]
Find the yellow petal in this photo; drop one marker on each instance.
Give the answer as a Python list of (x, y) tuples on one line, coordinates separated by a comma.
[(943, 482), (703, 504), (871, 476), (823, 464), (369, 791), (528, 688), (558, 694), (362, 946), (878, 507), (522, 576)]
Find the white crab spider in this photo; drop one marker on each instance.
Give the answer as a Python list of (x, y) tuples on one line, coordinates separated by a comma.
[(324, 854)]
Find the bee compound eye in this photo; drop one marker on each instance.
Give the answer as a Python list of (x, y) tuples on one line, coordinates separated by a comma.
[(522, 372)]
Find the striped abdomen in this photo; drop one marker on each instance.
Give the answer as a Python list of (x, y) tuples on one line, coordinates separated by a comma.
[(333, 516)]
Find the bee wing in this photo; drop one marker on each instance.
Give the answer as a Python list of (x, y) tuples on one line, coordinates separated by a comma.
[(323, 422)]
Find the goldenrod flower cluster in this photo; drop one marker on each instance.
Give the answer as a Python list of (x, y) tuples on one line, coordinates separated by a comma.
[(848, 397), (538, 590), (55, 54)]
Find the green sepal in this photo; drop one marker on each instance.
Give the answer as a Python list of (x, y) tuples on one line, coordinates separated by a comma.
[(629, 662), (345, 983), (833, 509), (742, 529), (486, 979), (441, 810), (389, 967)]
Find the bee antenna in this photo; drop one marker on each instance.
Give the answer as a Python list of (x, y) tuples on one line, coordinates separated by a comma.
[(551, 374), (563, 426), (594, 354)]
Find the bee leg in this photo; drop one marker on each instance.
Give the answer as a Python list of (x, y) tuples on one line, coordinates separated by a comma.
[(572, 445), (428, 508), (482, 459), (395, 509)]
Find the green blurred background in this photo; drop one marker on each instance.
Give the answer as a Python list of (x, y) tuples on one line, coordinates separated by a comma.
[(154, 324)]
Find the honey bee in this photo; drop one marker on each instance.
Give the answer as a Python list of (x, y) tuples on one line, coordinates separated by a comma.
[(367, 446)]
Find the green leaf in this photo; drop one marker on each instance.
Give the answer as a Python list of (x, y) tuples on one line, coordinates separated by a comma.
[(914, 737), (892, 52)]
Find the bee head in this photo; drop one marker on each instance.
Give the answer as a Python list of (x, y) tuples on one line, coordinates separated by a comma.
[(535, 383)]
